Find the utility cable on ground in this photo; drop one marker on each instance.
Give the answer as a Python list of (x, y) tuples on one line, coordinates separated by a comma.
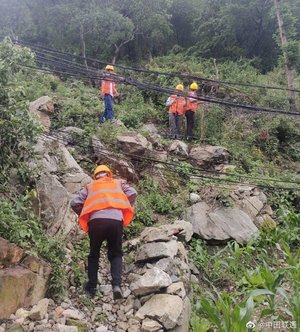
[(175, 166), (60, 133)]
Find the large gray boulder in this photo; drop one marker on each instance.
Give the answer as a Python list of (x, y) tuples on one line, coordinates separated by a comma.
[(180, 228), (250, 199), (119, 166), (42, 108), (179, 148), (208, 156), (171, 266), (157, 250), (134, 143), (164, 308), (253, 201), (54, 206), (61, 176), (149, 128), (222, 224), (184, 320), (69, 135), (151, 282)]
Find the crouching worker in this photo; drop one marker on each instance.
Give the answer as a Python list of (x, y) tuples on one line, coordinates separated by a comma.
[(104, 206)]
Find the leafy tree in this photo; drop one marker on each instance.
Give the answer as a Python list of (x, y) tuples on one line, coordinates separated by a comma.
[(137, 30), (238, 28), (183, 15), (16, 19), (152, 26)]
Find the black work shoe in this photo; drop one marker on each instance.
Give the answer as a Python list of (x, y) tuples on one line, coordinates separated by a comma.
[(117, 293), (89, 291)]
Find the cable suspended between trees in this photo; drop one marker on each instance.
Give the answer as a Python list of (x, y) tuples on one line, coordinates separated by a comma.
[(158, 73), (90, 74)]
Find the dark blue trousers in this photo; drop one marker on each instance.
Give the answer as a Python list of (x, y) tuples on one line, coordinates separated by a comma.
[(108, 109)]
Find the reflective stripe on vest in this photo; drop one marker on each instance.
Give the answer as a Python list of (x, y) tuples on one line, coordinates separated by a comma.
[(178, 105), (192, 105), (105, 193), (92, 193), (107, 87)]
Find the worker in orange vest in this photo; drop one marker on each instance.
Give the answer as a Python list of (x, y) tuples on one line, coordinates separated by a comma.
[(176, 104), (108, 90), (190, 109), (104, 206)]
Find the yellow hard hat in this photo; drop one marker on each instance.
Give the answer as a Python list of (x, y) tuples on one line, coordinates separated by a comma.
[(179, 87), (109, 67), (102, 168), (194, 86)]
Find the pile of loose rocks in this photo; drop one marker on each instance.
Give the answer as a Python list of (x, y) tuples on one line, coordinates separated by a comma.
[(157, 290)]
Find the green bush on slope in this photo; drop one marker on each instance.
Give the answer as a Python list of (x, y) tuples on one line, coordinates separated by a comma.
[(18, 133), (265, 272)]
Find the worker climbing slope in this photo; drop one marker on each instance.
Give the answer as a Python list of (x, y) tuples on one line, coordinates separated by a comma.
[(104, 206), (108, 90)]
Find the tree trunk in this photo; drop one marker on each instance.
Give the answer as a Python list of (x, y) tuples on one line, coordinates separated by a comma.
[(288, 69), (82, 45), (118, 48), (216, 86), (116, 54)]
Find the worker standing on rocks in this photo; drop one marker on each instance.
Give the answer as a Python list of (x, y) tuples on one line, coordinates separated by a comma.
[(190, 109), (176, 104), (108, 90), (104, 206)]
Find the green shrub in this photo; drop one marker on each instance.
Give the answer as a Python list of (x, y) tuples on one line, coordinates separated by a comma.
[(134, 111), (18, 129), (260, 270), (143, 218), (107, 133), (79, 256), (77, 109), (150, 201)]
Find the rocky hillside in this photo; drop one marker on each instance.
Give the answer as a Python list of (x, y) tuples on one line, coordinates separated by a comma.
[(159, 273), (214, 245)]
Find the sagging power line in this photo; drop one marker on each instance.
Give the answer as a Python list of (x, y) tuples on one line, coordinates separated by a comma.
[(149, 86), (71, 66), (170, 74)]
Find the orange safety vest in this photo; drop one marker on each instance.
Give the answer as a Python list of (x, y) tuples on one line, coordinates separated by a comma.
[(192, 104), (105, 193), (178, 105), (108, 88)]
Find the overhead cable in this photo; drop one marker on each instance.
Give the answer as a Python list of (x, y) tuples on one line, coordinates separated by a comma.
[(171, 74), (149, 86)]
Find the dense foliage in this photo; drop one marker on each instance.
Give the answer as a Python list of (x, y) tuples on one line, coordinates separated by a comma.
[(137, 30), (18, 132)]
